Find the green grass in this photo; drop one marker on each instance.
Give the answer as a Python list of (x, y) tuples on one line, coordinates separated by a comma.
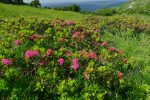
[(14, 11), (133, 7), (137, 49), (144, 17), (136, 3)]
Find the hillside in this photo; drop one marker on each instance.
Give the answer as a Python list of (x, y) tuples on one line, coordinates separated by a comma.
[(137, 8), (137, 4), (14, 11)]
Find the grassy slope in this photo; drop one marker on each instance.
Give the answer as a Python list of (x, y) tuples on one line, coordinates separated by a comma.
[(138, 4), (13, 11)]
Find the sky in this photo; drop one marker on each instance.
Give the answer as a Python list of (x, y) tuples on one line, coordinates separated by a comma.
[(48, 1)]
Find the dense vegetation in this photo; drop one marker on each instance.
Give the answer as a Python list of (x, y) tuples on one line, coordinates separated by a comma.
[(18, 2), (68, 55), (33, 3), (73, 7), (46, 57)]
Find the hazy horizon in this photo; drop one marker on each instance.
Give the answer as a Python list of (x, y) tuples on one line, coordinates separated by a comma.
[(48, 1)]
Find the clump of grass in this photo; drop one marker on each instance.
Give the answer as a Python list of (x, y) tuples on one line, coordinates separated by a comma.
[(137, 49)]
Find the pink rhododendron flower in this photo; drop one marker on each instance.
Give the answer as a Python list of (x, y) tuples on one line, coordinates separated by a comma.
[(6, 61), (31, 37), (124, 60), (61, 61), (43, 63), (52, 24), (39, 36), (75, 60), (62, 24), (104, 43), (62, 40), (93, 55), (96, 43), (68, 53), (97, 30), (86, 76), (31, 54), (75, 65), (120, 74), (71, 22), (17, 42), (87, 72), (49, 52), (119, 52), (111, 49), (86, 54), (75, 35), (80, 52)]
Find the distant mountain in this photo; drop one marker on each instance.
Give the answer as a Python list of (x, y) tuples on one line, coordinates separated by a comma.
[(87, 5)]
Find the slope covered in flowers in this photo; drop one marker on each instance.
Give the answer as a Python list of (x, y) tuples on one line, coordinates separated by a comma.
[(57, 59)]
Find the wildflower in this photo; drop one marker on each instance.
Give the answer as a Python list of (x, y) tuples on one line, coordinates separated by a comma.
[(43, 63), (6, 61), (61, 61), (96, 43), (96, 30), (68, 53), (71, 22), (49, 52), (81, 37), (87, 72), (75, 35), (31, 54), (86, 54), (120, 74), (124, 60), (75, 65), (31, 37), (62, 24), (93, 55), (17, 42), (119, 52), (104, 43), (86, 76), (111, 49), (52, 24), (75, 60), (80, 52), (62, 40), (39, 36)]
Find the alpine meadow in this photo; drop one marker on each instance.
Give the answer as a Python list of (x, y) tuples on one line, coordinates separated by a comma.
[(70, 53)]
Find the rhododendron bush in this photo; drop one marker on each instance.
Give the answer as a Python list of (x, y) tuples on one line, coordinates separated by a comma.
[(44, 59)]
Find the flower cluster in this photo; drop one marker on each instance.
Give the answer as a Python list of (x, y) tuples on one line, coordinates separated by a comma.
[(31, 54), (59, 52)]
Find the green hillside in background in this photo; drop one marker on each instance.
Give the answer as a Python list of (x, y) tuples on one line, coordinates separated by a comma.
[(137, 4), (13, 11)]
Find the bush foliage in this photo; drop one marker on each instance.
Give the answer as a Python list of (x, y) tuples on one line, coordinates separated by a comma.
[(57, 59)]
